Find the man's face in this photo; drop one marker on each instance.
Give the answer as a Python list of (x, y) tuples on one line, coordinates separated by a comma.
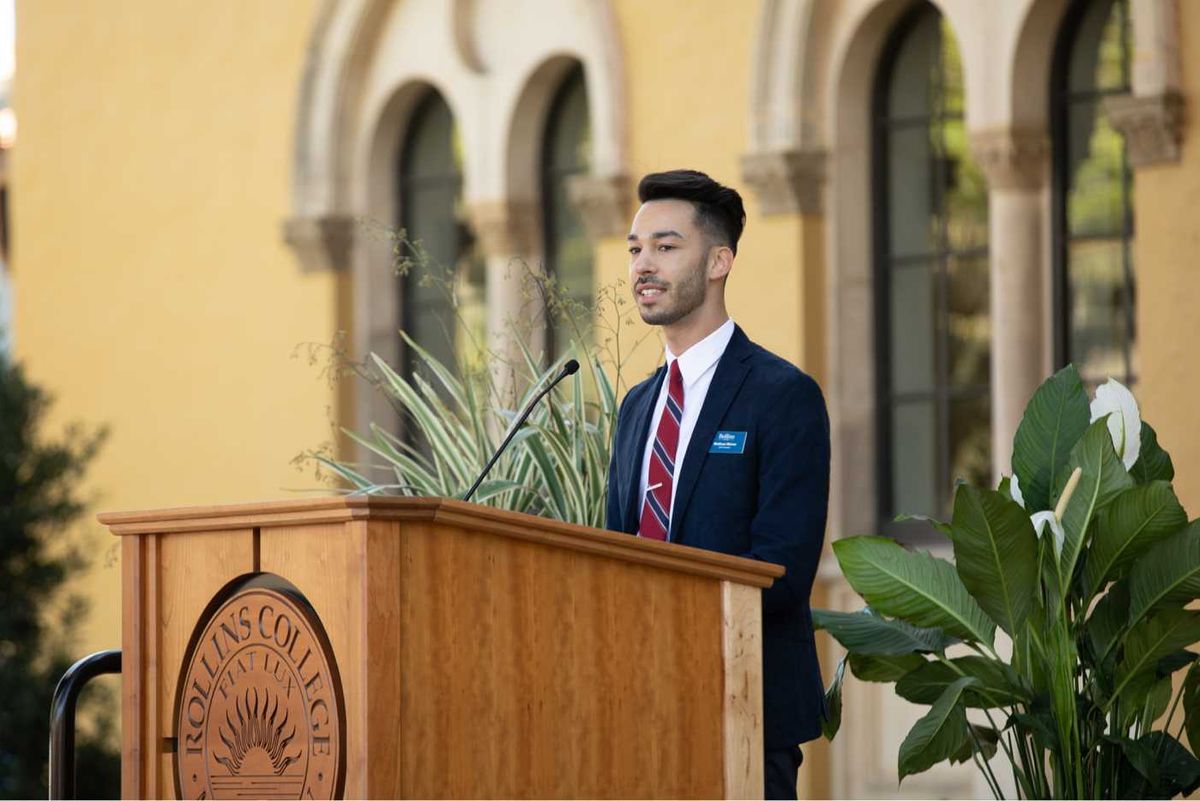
[(668, 261)]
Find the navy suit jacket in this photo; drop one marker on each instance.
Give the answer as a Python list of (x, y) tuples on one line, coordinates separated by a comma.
[(768, 502)]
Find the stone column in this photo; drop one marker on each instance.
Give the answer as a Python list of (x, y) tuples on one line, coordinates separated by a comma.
[(507, 234), (603, 202), (1016, 164), (1152, 126), (792, 182)]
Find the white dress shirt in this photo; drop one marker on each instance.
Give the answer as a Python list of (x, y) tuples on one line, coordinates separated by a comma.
[(697, 366)]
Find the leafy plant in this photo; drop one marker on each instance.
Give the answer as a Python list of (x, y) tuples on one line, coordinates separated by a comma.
[(454, 416), (38, 500), (1091, 589)]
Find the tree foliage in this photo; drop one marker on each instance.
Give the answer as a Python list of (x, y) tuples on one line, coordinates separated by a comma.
[(38, 500)]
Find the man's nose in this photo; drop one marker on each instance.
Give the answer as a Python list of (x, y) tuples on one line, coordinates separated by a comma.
[(643, 263)]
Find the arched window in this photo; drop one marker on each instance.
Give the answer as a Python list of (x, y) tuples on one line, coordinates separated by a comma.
[(931, 277), (1093, 183), (431, 215), (566, 150)]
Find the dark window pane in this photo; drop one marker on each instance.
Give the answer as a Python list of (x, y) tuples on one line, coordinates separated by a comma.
[(964, 189), (429, 310), (969, 322), (1099, 303), (1096, 279), (430, 148), (934, 326), (914, 464), (568, 127), (566, 153), (910, 192), (970, 443), (1099, 58), (431, 214), (949, 99), (1096, 204), (913, 316), (913, 70)]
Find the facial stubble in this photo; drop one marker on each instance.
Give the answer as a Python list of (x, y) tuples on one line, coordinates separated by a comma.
[(687, 294)]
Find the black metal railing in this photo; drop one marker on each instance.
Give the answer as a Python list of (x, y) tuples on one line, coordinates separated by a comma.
[(62, 718)]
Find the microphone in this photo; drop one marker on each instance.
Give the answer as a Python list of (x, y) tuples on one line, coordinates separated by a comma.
[(570, 368)]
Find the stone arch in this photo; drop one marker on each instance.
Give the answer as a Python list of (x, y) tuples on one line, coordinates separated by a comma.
[(482, 81), (374, 292), (528, 121), (1031, 64), (367, 62)]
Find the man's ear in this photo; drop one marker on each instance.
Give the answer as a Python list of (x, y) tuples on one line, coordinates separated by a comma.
[(720, 262)]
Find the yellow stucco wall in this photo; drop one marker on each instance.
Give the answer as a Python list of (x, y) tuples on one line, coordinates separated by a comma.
[(153, 291), (1167, 219), (689, 108)]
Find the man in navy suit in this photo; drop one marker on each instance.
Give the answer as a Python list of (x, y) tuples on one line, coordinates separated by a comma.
[(725, 447)]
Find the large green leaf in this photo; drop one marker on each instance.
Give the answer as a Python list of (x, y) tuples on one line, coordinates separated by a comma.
[(1145, 706), (1135, 520), (995, 553), (864, 632), (912, 586), (831, 721), (998, 684), (1191, 707), (939, 734), (1153, 463), (1039, 723), (1167, 575), (1108, 620), (983, 739), (884, 668), (1178, 771), (1173, 662), (1057, 415), (1147, 643), (1103, 478), (1140, 756)]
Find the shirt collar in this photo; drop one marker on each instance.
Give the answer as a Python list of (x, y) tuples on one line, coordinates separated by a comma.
[(697, 359)]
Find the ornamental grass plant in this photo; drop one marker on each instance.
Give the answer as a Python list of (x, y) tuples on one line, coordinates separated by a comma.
[(451, 417)]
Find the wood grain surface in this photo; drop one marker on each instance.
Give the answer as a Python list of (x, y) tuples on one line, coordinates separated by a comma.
[(325, 561), (310, 511), (741, 611), (476, 660), (533, 671)]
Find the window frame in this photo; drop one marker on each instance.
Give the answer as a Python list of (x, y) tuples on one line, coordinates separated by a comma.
[(406, 185), (943, 393), (548, 175), (1060, 100)]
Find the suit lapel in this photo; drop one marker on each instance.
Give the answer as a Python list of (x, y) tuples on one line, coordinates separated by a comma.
[(640, 417), (731, 372)]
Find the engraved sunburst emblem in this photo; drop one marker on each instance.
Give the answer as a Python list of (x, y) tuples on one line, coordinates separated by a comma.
[(258, 739)]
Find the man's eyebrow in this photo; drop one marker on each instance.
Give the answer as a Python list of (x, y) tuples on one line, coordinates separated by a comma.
[(657, 235)]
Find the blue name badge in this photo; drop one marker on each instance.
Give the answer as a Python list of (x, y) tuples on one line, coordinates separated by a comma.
[(728, 442)]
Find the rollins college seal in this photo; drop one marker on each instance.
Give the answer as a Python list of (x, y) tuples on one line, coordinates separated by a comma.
[(259, 710)]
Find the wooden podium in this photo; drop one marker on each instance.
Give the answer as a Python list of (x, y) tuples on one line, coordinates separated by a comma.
[(469, 652)]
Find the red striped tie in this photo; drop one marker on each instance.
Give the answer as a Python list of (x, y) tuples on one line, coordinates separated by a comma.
[(656, 509)]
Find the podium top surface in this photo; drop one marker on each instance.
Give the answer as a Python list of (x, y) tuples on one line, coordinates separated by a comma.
[(368, 508)]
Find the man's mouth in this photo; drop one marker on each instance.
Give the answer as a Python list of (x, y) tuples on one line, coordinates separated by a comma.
[(650, 291)]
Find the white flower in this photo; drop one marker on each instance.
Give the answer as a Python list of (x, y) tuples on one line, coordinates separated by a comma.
[(1117, 403), (1040, 519), (1014, 489)]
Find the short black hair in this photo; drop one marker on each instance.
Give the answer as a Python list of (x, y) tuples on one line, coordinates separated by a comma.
[(719, 209)]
